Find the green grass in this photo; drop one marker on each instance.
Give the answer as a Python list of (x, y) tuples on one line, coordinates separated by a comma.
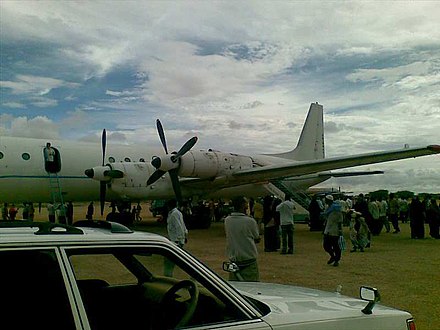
[(406, 272)]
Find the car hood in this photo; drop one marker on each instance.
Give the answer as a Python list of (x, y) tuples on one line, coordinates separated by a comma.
[(298, 304)]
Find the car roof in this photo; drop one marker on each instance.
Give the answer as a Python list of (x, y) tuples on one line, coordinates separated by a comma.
[(17, 232)]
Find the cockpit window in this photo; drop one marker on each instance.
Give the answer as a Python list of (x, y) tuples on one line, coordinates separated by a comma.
[(25, 156)]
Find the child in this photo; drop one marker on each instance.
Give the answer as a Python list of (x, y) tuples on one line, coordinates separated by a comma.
[(359, 232)]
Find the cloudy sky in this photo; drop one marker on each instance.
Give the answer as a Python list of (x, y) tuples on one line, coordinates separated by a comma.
[(238, 74)]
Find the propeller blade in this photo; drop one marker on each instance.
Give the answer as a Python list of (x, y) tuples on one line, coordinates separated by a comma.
[(155, 176), (103, 185), (185, 148), (176, 185), (102, 191), (103, 144), (161, 135)]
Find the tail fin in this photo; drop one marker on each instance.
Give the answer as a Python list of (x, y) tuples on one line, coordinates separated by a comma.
[(311, 142)]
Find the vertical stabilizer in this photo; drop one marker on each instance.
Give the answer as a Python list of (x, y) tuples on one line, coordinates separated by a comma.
[(311, 142)]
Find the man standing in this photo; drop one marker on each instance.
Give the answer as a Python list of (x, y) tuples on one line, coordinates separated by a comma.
[(31, 211), (241, 235), (13, 212), (138, 212), (177, 232), (375, 224), (90, 211), (286, 209), (5, 212), (61, 213), (69, 213), (383, 211), (51, 212), (50, 154), (394, 213), (315, 209), (332, 230), (176, 228)]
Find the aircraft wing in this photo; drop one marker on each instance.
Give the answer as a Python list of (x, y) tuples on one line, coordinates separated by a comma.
[(347, 174), (286, 170), (331, 174)]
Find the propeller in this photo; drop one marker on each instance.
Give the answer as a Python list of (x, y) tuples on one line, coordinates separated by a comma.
[(104, 173), (169, 164), (103, 184)]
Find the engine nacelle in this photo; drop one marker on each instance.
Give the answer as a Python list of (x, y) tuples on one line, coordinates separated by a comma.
[(98, 173), (208, 164)]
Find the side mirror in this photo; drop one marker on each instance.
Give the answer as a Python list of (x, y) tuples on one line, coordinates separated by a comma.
[(371, 295), (230, 267)]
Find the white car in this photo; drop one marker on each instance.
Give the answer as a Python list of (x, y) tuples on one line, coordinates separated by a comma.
[(102, 275)]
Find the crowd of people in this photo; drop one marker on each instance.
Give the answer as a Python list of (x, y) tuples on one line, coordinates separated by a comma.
[(366, 216), (381, 213)]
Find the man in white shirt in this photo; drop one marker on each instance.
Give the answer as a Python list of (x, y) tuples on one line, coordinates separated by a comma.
[(286, 209), (176, 228), (177, 232)]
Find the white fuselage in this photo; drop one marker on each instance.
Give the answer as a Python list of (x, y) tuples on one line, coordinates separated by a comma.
[(25, 179), (23, 176)]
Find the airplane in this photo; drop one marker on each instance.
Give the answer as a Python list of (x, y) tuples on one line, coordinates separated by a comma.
[(125, 174)]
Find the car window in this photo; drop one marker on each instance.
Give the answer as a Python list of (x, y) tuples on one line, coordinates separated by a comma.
[(148, 288), (33, 291), (104, 266)]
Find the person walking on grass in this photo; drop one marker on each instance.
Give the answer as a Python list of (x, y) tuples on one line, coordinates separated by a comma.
[(286, 209), (332, 230), (394, 213), (433, 218), (177, 232), (359, 232)]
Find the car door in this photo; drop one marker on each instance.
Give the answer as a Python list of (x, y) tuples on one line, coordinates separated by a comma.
[(134, 281), (34, 290)]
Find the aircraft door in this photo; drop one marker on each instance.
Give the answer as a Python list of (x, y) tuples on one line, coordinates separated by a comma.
[(52, 159)]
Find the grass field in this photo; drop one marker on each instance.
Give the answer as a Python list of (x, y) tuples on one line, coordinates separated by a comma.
[(406, 272)]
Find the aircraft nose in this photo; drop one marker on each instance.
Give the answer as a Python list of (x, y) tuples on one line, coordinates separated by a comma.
[(90, 173)]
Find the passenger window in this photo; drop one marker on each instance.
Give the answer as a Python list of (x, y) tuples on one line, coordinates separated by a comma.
[(126, 159), (25, 156), (1, 155), (151, 286), (33, 291), (111, 159)]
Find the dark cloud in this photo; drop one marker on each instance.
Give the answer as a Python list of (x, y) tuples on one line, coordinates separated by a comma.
[(333, 127), (252, 105)]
